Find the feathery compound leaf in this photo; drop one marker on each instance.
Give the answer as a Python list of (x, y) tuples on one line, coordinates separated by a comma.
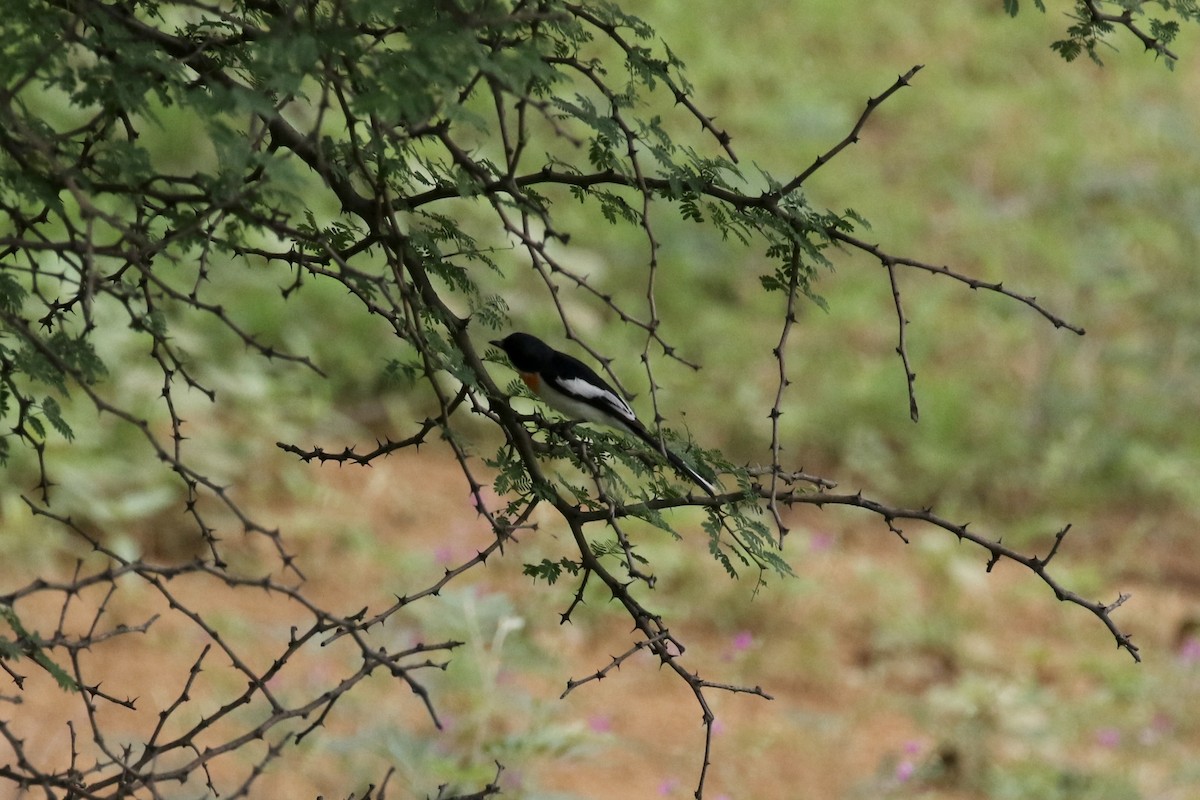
[(53, 413), (29, 644)]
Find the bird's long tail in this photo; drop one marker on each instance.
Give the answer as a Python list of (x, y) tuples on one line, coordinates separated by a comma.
[(681, 466)]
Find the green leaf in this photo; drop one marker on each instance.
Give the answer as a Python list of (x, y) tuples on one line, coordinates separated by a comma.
[(771, 283), (36, 425), (12, 294), (551, 571), (53, 413), (30, 644)]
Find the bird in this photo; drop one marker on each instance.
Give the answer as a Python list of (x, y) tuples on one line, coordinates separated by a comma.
[(572, 388)]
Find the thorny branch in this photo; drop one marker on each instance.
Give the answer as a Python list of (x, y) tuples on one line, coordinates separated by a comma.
[(1125, 20)]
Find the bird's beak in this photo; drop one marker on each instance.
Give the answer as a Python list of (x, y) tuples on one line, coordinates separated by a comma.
[(497, 343)]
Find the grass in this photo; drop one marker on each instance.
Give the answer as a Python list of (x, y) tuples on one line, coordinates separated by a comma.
[(1069, 182)]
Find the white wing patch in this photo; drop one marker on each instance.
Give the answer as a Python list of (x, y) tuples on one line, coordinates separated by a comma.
[(589, 391), (579, 399)]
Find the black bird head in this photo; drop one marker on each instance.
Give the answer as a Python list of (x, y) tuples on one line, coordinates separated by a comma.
[(526, 352)]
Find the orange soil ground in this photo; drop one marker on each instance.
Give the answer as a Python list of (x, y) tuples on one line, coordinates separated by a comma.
[(863, 653)]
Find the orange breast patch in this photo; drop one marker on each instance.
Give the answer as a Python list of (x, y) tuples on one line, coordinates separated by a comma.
[(532, 381)]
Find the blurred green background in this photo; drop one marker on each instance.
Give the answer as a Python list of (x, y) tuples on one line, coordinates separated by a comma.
[(1076, 184)]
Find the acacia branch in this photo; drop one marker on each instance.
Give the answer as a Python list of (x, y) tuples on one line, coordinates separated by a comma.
[(996, 549), (1125, 20), (850, 138)]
